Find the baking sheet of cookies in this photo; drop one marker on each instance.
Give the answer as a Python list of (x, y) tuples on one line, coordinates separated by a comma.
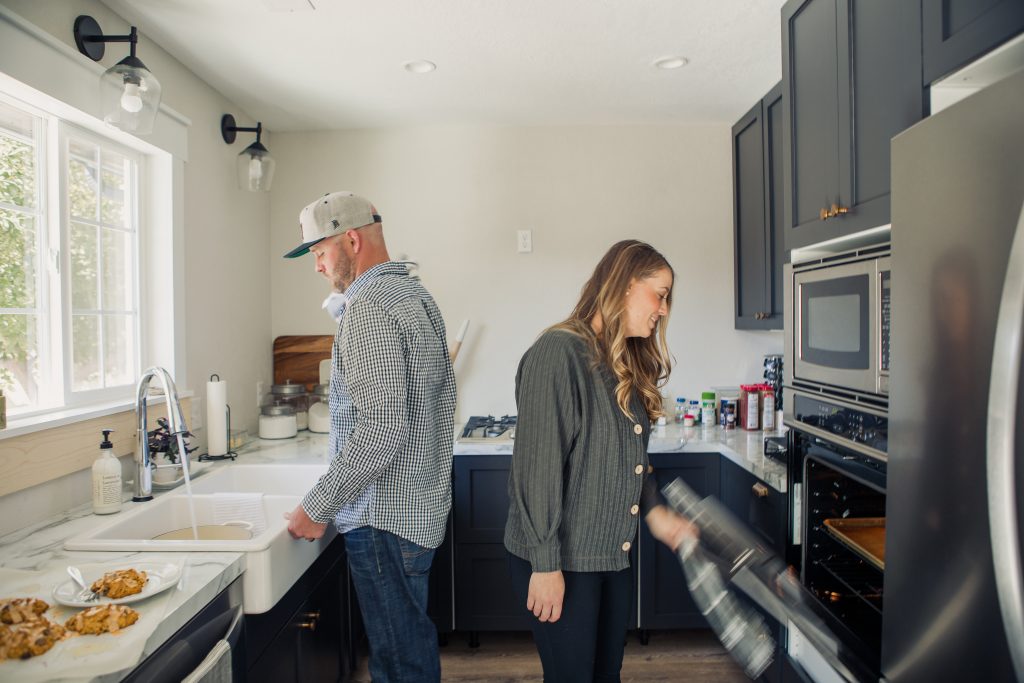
[(79, 656)]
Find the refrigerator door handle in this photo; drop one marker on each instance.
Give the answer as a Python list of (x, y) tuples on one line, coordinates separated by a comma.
[(1001, 457)]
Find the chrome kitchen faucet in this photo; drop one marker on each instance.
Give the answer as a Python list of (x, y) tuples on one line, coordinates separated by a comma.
[(176, 426)]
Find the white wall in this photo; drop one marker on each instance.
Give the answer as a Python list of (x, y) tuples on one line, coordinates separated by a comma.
[(453, 198), (226, 229)]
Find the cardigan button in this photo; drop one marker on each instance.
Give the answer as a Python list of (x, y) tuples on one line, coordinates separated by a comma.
[(639, 469), (626, 546), (637, 429), (635, 509)]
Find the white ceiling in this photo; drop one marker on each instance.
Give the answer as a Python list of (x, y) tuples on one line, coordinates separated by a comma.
[(517, 62)]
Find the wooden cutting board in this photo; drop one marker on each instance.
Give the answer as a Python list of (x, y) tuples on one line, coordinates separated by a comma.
[(297, 357)]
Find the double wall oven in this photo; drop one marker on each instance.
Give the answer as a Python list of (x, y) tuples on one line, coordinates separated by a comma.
[(836, 378)]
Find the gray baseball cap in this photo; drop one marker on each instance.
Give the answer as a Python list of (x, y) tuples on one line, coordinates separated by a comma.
[(332, 214)]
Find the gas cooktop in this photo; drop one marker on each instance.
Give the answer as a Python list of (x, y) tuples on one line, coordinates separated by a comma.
[(489, 428)]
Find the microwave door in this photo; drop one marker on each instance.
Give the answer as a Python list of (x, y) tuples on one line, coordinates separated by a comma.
[(835, 329)]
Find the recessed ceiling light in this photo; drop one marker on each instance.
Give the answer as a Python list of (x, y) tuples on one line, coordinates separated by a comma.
[(672, 62), (419, 66)]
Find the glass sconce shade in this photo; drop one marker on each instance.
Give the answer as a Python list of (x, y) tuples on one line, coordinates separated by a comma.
[(255, 168), (130, 96)]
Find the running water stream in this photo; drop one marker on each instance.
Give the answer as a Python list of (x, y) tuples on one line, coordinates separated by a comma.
[(188, 484)]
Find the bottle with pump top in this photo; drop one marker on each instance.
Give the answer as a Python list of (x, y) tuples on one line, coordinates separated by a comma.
[(106, 479)]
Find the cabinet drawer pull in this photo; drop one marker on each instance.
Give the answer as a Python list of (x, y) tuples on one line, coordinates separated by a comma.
[(313, 618), (760, 490)]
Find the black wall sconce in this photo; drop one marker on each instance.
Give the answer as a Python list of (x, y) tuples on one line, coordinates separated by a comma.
[(129, 92), (255, 165)]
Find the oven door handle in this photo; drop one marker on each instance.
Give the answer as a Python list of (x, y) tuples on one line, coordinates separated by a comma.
[(1000, 456)]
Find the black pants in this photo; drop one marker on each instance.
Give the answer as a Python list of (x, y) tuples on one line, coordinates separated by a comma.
[(586, 644)]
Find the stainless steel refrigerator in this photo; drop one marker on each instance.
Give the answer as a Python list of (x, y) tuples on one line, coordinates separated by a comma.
[(954, 602)]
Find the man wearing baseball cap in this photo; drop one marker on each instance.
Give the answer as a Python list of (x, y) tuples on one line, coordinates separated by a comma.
[(392, 405)]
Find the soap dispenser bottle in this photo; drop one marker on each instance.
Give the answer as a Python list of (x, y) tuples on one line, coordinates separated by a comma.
[(106, 479)]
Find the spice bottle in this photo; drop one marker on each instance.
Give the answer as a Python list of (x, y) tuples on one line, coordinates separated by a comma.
[(750, 415), (707, 410), (680, 414), (767, 408)]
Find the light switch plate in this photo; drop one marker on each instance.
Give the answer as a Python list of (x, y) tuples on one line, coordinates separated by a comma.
[(524, 241)]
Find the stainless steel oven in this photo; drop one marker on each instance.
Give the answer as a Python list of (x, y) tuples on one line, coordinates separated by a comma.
[(838, 475), (837, 323)]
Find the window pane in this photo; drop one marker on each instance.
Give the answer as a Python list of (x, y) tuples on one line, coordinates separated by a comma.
[(82, 196), (18, 252), (17, 169), (88, 151), (19, 360), (85, 352), (117, 270), (17, 121), (119, 349), (84, 254), (112, 205)]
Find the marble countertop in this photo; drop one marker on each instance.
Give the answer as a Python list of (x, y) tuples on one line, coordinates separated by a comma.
[(35, 556), (744, 448)]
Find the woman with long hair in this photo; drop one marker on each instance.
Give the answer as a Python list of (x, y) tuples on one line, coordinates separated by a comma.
[(587, 392)]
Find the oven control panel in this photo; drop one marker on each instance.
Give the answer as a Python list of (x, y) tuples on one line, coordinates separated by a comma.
[(848, 423)]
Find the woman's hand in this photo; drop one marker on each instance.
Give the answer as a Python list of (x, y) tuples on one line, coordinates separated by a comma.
[(544, 598), (669, 527)]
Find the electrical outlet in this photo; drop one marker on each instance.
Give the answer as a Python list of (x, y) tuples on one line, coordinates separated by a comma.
[(524, 241), (197, 413), (260, 390)]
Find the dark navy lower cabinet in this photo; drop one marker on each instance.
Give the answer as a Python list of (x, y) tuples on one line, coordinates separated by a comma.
[(305, 637), (483, 588), (439, 599), (665, 601)]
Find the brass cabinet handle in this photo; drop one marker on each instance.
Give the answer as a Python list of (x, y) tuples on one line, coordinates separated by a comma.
[(313, 618), (760, 490), (832, 212)]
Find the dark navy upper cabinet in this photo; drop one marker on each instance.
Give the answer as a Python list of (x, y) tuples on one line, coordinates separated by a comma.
[(958, 31), (850, 82), (757, 214)]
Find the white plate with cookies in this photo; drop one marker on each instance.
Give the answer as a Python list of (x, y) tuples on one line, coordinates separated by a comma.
[(119, 585)]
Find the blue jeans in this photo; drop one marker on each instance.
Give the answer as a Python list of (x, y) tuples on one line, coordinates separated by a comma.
[(391, 579)]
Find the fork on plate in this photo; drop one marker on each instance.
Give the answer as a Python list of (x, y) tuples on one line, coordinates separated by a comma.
[(86, 594)]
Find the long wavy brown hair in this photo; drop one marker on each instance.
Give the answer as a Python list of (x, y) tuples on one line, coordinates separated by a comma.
[(640, 364)]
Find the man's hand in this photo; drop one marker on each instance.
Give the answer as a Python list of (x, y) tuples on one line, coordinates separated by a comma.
[(669, 527), (544, 597), (301, 526)]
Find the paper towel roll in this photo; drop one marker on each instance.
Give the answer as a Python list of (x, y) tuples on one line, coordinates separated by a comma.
[(216, 417)]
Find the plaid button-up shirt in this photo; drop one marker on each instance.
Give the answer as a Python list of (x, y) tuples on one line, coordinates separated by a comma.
[(392, 403)]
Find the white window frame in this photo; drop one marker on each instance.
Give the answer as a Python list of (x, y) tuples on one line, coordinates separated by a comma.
[(52, 215), (50, 75), (133, 184)]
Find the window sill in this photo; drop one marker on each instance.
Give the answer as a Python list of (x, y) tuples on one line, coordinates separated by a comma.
[(59, 418)]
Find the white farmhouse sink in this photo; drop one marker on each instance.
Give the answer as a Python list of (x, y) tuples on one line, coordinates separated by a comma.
[(285, 480), (273, 559)]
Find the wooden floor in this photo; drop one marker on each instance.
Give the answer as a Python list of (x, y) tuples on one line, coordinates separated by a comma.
[(693, 656)]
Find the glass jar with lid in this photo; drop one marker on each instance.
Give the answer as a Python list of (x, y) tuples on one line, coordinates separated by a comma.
[(319, 410), (294, 395), (277, 421)]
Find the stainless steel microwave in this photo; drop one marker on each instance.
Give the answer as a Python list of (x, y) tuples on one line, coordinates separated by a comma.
[(837, 327)]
